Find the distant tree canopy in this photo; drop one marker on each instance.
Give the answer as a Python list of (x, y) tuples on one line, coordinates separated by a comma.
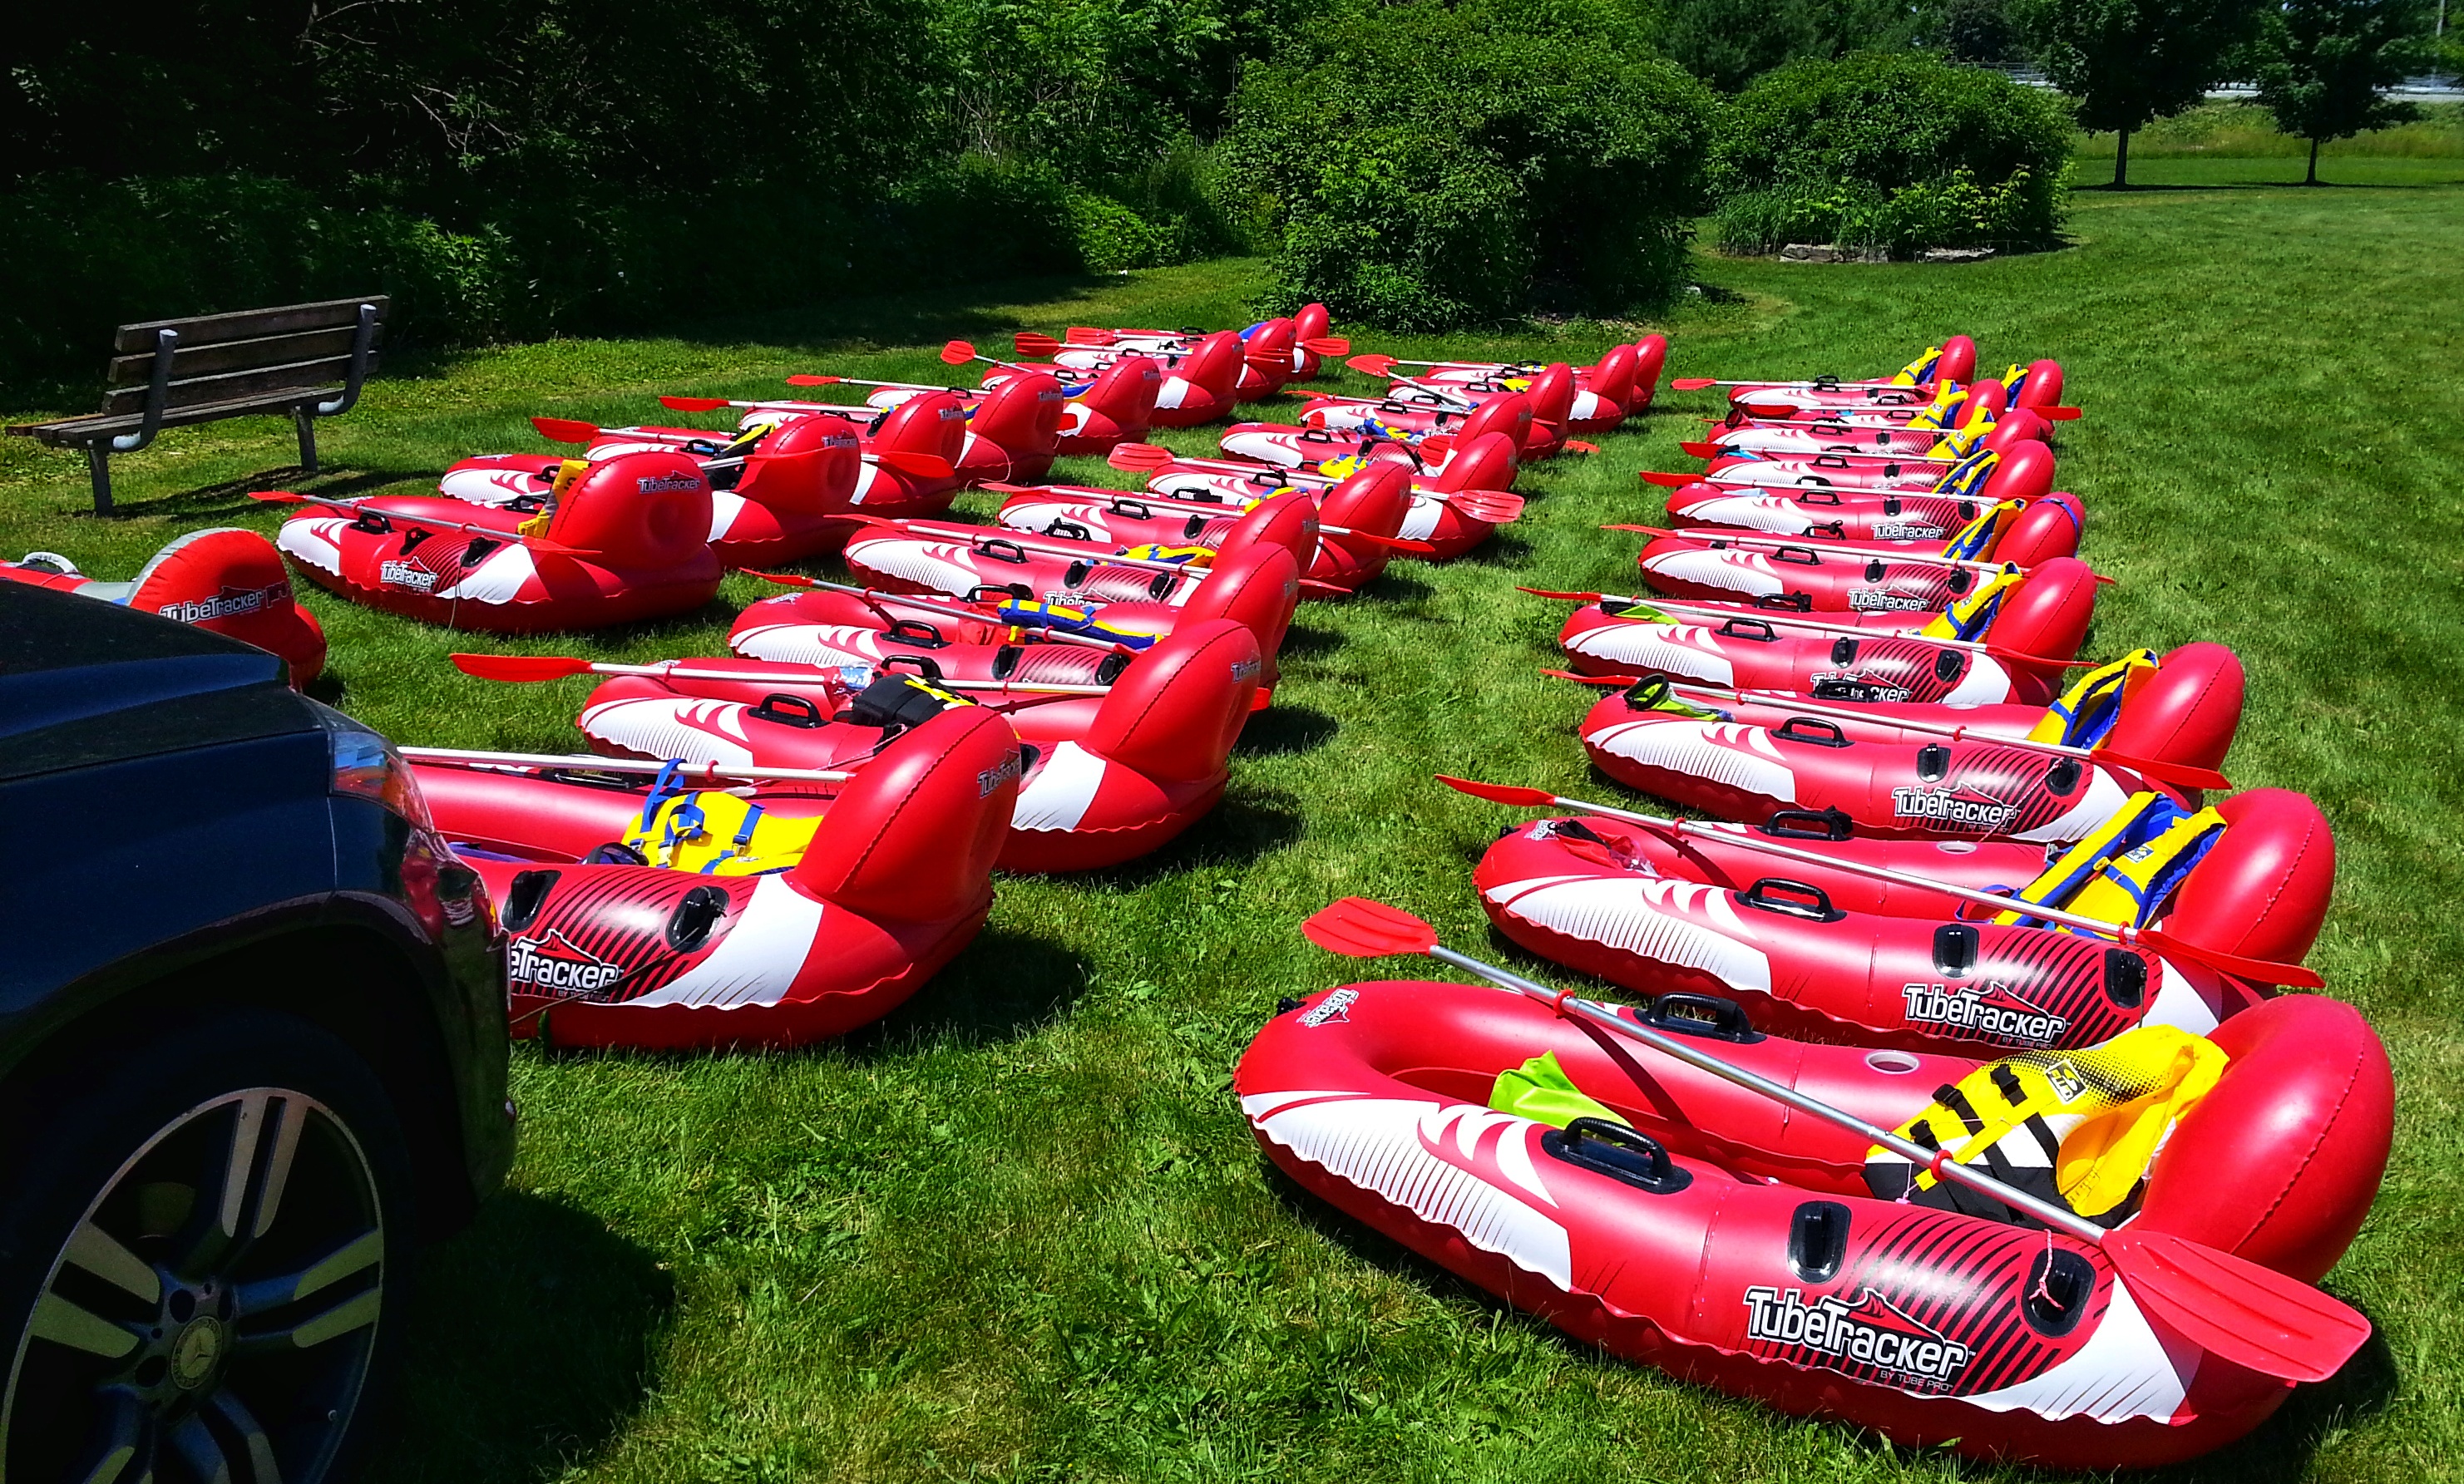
[(1729, 43), (2323, 66), (2130, 63)]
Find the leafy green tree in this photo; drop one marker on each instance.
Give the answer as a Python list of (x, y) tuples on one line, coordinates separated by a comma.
[(2325, 66), (2131, 62), (1729, 43)]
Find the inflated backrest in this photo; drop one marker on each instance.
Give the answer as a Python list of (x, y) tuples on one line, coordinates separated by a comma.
[(809, 466), (2048, 611), (2015, 428), (1510, 415), (1176, 711), (2041, 386), (2261, 890), (636, 509), (1289, 520), (1376, 501), (1269, 349), (2278, 1164), (1613, 379), (2024, 473), (1986, 399), (912, 836), (1215, 365), (1650, 355), (2186, 712), (1310, 324), (1125, 392), (2045, 530), (1021, 416), (233, 582), (1552, 397), (1487, 462), (934, 424), (1258, 587), (1957, 361)]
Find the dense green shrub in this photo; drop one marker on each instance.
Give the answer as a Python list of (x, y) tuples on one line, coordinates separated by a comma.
[(1729, 43), (1423, 164), (1889, 150)]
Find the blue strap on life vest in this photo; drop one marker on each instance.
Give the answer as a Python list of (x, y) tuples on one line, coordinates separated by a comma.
[(1062, 619), (741, 845), (666, 785), (2158, 817)]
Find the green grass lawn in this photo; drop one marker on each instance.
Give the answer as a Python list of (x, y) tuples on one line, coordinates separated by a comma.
[(1019, 1230)]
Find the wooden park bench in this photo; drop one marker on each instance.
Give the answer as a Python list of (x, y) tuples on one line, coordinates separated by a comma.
[(306, 360)]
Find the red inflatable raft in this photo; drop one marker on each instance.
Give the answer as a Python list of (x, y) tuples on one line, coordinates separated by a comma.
[(1822, 575), (2253, 885), (1706, 1231), (1619, 387), (2039, 385), (227, 581), (2031, 626), (1748, 759), (1003, 636), (780, 490), (1112, 778), (1326, 451), (628, 540), (931, 557), (1484, 464), (1367, 506), (1945, 503), (847, 916), (1738, 469), (1410, 414)]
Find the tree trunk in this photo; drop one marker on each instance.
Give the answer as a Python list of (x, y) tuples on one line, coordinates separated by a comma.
[(2314, 165), (2121, 160)]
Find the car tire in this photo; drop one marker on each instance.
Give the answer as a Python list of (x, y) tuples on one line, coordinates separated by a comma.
[(205, 1253)]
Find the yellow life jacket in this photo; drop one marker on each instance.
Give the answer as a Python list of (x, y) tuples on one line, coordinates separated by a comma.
[(1344, 468), (1657, 693), (1034, 613), (2123, 870), (1183, 556), (1916, 371), (1974, 541), (1960, 442), (2076, 1128), (1963, 479), (2081, 715), (718, 833), (1944, 411), (566, 473), (1972, 613)]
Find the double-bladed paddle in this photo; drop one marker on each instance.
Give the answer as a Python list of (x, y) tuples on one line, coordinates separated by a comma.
[(1776, 617)]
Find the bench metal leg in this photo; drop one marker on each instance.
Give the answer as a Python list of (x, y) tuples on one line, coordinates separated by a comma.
[(98, 463), (307, 439)]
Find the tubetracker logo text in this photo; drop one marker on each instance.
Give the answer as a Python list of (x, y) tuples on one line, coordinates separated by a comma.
[(1993, 1011), (1876, 600), (401, 574), (229, 604), (1868, 1332), (556, 966), (1963, 808)]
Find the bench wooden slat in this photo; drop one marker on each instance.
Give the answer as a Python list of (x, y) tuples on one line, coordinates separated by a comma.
[(198, 391), (79, 431), (238, 355), (248, 324)]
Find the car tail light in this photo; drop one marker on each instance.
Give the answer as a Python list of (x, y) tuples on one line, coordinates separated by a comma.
[(366, 766)]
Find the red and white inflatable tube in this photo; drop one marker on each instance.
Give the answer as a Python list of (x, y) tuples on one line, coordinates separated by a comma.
[(637, 528), (1258, 588), (1824, 576), (1201, 380), (2040, 385), (1745, 1253), (1485, 462), (1321, 450), (1839, 513), (1804, 964), (224, 580), (930, 557), (1956, 363), (1619, 385), (1374, 502), (1872, 471), (1114, 778), (896, 881), (1410, 413)]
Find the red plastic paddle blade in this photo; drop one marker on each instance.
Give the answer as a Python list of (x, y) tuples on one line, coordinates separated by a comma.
[(277, 498), (1327, 345), (1593, 680), (519, 667), (814, 380), (1577, 445), (1692, 383), (1032, 346), (693, 404), (1702, 450), (2182, 774), (1707, 536), (2058, 414), (1372, 366), (1768, 409), (1500, 792), (1089, 334), (565, 429), (1542, 592), (2263, 970), (1493, 507), (1261, 698), (1653, 476), (958, 353), (2253, 1316), (1357, 927), (1139, 457), (783, 579), (922, 466)]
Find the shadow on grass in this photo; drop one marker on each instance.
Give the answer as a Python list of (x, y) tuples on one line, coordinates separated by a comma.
[(1004, 986), (1282, 731), (1248, 823), (1305, 642), (532, 1343), (1501, 550), (228, 499), (2282, 1447)]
